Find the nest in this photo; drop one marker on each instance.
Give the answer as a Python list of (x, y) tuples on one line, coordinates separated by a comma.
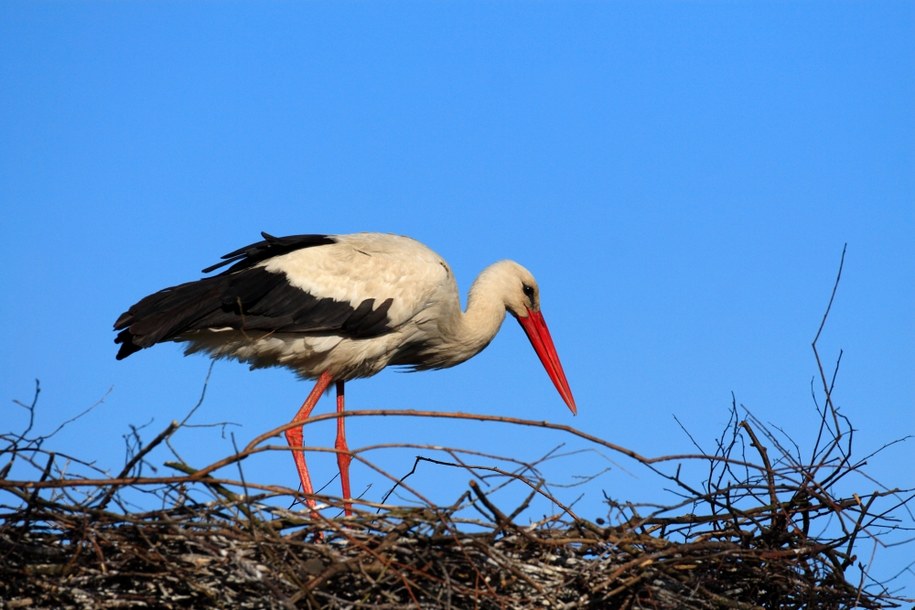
[(766, 525), (755, 533)]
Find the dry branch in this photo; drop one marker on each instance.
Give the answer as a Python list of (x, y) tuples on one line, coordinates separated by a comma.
[(764, 528), (758, 540)]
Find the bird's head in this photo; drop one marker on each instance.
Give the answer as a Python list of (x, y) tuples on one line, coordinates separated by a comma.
[(522, 299)]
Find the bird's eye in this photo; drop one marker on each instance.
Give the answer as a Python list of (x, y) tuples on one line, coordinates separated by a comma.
[(528, 292)]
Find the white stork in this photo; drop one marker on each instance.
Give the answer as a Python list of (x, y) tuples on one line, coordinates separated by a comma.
[(339, 307)]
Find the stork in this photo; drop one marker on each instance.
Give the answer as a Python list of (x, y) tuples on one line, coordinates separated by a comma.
[(339, 307)]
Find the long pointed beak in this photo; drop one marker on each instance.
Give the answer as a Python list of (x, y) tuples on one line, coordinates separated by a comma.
[(535, 328)]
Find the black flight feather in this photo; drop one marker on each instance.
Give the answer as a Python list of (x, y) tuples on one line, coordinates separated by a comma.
[(271, 246), (245, 297)]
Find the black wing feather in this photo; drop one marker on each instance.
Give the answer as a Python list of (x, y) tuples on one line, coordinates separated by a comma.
[(247, 298), (271, 246)]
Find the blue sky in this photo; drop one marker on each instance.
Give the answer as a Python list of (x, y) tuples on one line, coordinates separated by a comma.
[(680, 177)]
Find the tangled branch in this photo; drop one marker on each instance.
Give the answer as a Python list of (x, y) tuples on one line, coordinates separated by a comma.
[(767, 524)]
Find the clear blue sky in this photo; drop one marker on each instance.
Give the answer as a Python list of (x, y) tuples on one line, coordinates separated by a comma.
[(680, 177)]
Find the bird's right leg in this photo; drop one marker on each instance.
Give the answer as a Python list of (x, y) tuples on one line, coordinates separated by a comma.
[(344, 457), (295, 437)]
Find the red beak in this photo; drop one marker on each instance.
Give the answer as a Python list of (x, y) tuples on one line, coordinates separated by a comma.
[(535, 328)]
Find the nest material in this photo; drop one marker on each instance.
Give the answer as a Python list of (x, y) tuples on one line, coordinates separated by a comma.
[(751, 535), (757, 531), (212, 556)]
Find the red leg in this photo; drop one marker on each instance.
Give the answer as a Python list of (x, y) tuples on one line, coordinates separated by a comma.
[(343, 455), (295, 437)]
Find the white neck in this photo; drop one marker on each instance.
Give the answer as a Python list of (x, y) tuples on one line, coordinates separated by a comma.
[(485, 311), (462, 335)]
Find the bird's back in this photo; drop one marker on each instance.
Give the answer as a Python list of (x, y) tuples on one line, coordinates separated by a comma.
[(347, 304)]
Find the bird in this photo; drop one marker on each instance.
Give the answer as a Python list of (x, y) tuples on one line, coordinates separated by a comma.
[(334, 308)]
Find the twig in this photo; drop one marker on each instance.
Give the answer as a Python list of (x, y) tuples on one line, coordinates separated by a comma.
[(128, 467)]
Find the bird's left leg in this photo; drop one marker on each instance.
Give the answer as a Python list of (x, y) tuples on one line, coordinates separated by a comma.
[(344, 457), (294, 436)]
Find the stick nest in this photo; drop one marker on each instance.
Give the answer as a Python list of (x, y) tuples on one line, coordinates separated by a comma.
[(766, 532), (767, 524)]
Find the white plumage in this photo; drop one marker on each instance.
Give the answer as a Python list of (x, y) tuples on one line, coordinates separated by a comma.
[(339, 307)]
